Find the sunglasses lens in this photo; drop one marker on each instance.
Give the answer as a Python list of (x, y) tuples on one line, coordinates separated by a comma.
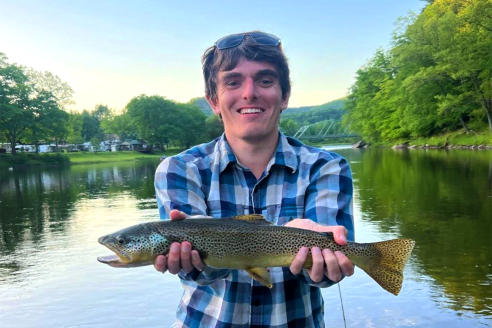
[(265, 39), (229, 41)]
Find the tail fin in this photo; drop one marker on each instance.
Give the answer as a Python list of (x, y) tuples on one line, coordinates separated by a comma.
[(384, 262)]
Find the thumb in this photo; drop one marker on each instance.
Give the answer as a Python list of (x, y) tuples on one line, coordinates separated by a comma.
[(176, 215)]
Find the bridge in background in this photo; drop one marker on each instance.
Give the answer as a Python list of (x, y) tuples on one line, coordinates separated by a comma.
[(324, 133)]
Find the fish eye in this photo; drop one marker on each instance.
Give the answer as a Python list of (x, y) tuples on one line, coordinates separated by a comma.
[(120, 240)]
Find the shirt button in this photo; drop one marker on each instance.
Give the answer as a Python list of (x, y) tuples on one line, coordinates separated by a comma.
[(256, 302)]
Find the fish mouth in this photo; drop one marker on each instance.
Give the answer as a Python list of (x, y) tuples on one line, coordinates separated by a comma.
[(111, 260), (117, 260)]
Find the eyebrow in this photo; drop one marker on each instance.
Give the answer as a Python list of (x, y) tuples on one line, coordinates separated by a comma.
[(264, 72), (267, 72), (230, 75)]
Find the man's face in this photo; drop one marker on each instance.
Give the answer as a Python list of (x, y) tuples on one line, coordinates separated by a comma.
[(249, 98)]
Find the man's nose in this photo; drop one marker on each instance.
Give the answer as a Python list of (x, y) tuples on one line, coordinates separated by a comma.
[(250, 90)]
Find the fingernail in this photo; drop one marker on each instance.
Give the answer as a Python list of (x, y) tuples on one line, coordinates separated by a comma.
[(315, 250), (174, 248), (185, 247), (304, 250)]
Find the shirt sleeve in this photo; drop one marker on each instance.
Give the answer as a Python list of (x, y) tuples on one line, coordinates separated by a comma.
[(178, 186), (328, 200)]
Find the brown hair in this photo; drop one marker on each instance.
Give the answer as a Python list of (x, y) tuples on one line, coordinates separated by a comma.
[(215, 60)]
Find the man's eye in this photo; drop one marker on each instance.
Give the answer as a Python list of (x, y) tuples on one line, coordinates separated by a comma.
[(232, 84), (266, 82)]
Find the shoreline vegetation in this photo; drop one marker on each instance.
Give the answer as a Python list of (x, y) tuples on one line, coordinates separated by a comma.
[(455, 140), (76, 158)]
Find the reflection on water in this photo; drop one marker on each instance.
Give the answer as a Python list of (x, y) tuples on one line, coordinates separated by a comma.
[(50, 220)]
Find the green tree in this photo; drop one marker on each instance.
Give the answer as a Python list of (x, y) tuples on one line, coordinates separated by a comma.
[(74, 128), (192, 123), (15, 113), (436, 77), (119, 124), (29, 110), (155, 118), (289, 127), (91, 126), (46, 81), (96, 143), (48, 122), (213, 128), (369, 109)]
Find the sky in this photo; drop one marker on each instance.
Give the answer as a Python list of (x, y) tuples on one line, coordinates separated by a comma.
[(111, 51)]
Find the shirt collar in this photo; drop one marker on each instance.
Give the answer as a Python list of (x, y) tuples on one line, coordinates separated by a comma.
[(284, 155)]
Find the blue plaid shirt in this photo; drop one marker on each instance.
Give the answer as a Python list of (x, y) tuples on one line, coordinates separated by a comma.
[(299, 182)]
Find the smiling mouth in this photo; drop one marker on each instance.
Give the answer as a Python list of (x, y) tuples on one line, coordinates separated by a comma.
[(244, 111)]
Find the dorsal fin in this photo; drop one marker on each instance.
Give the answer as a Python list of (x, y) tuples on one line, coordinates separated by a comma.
[(253, 218)]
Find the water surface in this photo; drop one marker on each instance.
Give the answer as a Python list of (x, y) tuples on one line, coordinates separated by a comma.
[(50, 220)]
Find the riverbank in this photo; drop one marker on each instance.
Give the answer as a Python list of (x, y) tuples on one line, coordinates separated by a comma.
[(56, 159), (452, 140), (119, 156)]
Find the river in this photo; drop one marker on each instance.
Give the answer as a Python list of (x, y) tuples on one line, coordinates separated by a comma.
[(50, 219)]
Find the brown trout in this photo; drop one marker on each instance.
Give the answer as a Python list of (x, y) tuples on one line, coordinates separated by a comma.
[(251, 243)]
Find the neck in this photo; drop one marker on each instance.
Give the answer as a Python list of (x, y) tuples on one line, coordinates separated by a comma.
[(254, 154)]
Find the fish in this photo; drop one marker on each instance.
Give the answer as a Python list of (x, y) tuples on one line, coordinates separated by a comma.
[(251, 243)]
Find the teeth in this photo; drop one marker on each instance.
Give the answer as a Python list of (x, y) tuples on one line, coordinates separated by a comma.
[(250, 110)]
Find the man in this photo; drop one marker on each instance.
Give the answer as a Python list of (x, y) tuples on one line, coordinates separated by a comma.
[(253, 168)]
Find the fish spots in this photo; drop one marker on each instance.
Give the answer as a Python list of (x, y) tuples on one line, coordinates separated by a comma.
[(243, 244)]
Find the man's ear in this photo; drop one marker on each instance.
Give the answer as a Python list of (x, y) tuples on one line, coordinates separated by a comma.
[(285, 101), (213, 103)]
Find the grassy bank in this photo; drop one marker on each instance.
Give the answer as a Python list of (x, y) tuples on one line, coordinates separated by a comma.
[(456, 138), (106, 157), (23, 159)]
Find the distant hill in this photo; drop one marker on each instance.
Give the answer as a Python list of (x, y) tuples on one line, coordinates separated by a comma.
[(306, 114), (332, 110), (202, 103)]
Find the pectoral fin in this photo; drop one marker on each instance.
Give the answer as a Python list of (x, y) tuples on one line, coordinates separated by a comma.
[(261, 275)]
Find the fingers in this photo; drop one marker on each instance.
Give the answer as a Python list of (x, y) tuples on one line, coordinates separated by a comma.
[(180, 257), (160, 263), (185, 257), (333, 271), (177, 215), (318, 268), (346, 266), (174, 258), (340, 234), (334, 265), (297, 264), (197, 261), (337, 265)]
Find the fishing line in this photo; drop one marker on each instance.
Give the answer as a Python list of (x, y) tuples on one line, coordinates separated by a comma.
[(341, 302)]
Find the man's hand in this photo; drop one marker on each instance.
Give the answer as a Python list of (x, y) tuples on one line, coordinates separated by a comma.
[(181, 256), (336, 262)]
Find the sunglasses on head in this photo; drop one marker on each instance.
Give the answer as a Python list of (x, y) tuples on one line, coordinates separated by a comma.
[(233, 40)]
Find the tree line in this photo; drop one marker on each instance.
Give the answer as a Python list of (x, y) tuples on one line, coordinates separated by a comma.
[(435, 78), (320, 118), (34, 109)]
